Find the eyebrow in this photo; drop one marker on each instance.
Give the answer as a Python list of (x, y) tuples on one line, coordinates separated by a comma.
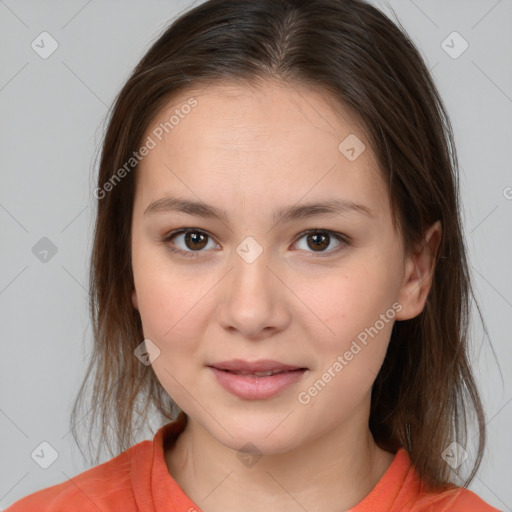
[(289, 213)]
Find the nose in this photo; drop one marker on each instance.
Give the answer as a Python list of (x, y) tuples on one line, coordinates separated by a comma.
[(256, 299)]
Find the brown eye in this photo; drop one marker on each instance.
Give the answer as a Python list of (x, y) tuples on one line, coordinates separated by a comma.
[(195, 240), (189, 242), (317, 241)]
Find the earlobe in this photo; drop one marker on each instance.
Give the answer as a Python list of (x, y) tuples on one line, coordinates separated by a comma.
[(134, 300), (418, 273)]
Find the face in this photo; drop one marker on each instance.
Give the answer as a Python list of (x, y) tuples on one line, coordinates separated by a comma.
[(310, 288)]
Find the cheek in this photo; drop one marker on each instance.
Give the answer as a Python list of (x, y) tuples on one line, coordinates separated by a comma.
[(354, 300), (350, 352), (356, 309), (170, 309), (173, 317)]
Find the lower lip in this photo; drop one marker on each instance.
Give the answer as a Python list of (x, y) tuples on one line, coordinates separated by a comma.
[(251, 387)]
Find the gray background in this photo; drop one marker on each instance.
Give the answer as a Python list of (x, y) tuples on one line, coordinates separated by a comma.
[(51, 120)]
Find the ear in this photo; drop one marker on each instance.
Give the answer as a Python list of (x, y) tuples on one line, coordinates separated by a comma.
[(418, 273), (135, 302)]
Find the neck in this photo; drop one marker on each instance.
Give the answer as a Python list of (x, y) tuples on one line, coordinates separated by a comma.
[(332, 472)]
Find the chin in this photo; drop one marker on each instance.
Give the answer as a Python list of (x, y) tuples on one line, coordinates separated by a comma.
[(258, 436)]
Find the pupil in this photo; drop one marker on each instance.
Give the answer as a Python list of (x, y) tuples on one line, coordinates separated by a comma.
[(320, 245), (193, 238)]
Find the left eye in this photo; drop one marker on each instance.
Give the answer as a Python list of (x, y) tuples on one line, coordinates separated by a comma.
[(321, 239), (195, 240)]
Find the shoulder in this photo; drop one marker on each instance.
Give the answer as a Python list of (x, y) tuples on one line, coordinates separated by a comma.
[(467, 501), (402, 490), (464, 500), (457, 499), (105, 487)]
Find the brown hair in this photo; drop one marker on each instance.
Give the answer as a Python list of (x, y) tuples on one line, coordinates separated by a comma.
[(425, 388)]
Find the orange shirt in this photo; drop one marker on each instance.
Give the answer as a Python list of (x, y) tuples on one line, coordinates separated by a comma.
[(138, 480)]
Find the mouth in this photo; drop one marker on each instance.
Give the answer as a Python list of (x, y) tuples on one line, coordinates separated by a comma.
[(267, 373), (258, 380), (260, 368)]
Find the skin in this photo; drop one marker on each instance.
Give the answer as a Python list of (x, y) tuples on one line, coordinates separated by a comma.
[(251, 150)]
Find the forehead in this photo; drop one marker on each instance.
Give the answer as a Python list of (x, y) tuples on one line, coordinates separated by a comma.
[(230, 112), (270, 139)]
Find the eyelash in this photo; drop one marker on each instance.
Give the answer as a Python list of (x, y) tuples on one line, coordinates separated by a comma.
[(343, 239)]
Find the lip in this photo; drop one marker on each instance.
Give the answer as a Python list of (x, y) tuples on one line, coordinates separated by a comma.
[(262, 365), (252, 387)]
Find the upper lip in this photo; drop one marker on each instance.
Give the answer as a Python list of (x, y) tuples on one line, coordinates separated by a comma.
[(262, 365)]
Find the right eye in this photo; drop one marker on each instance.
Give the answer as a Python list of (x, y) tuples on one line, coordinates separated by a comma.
[(193, 241)]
